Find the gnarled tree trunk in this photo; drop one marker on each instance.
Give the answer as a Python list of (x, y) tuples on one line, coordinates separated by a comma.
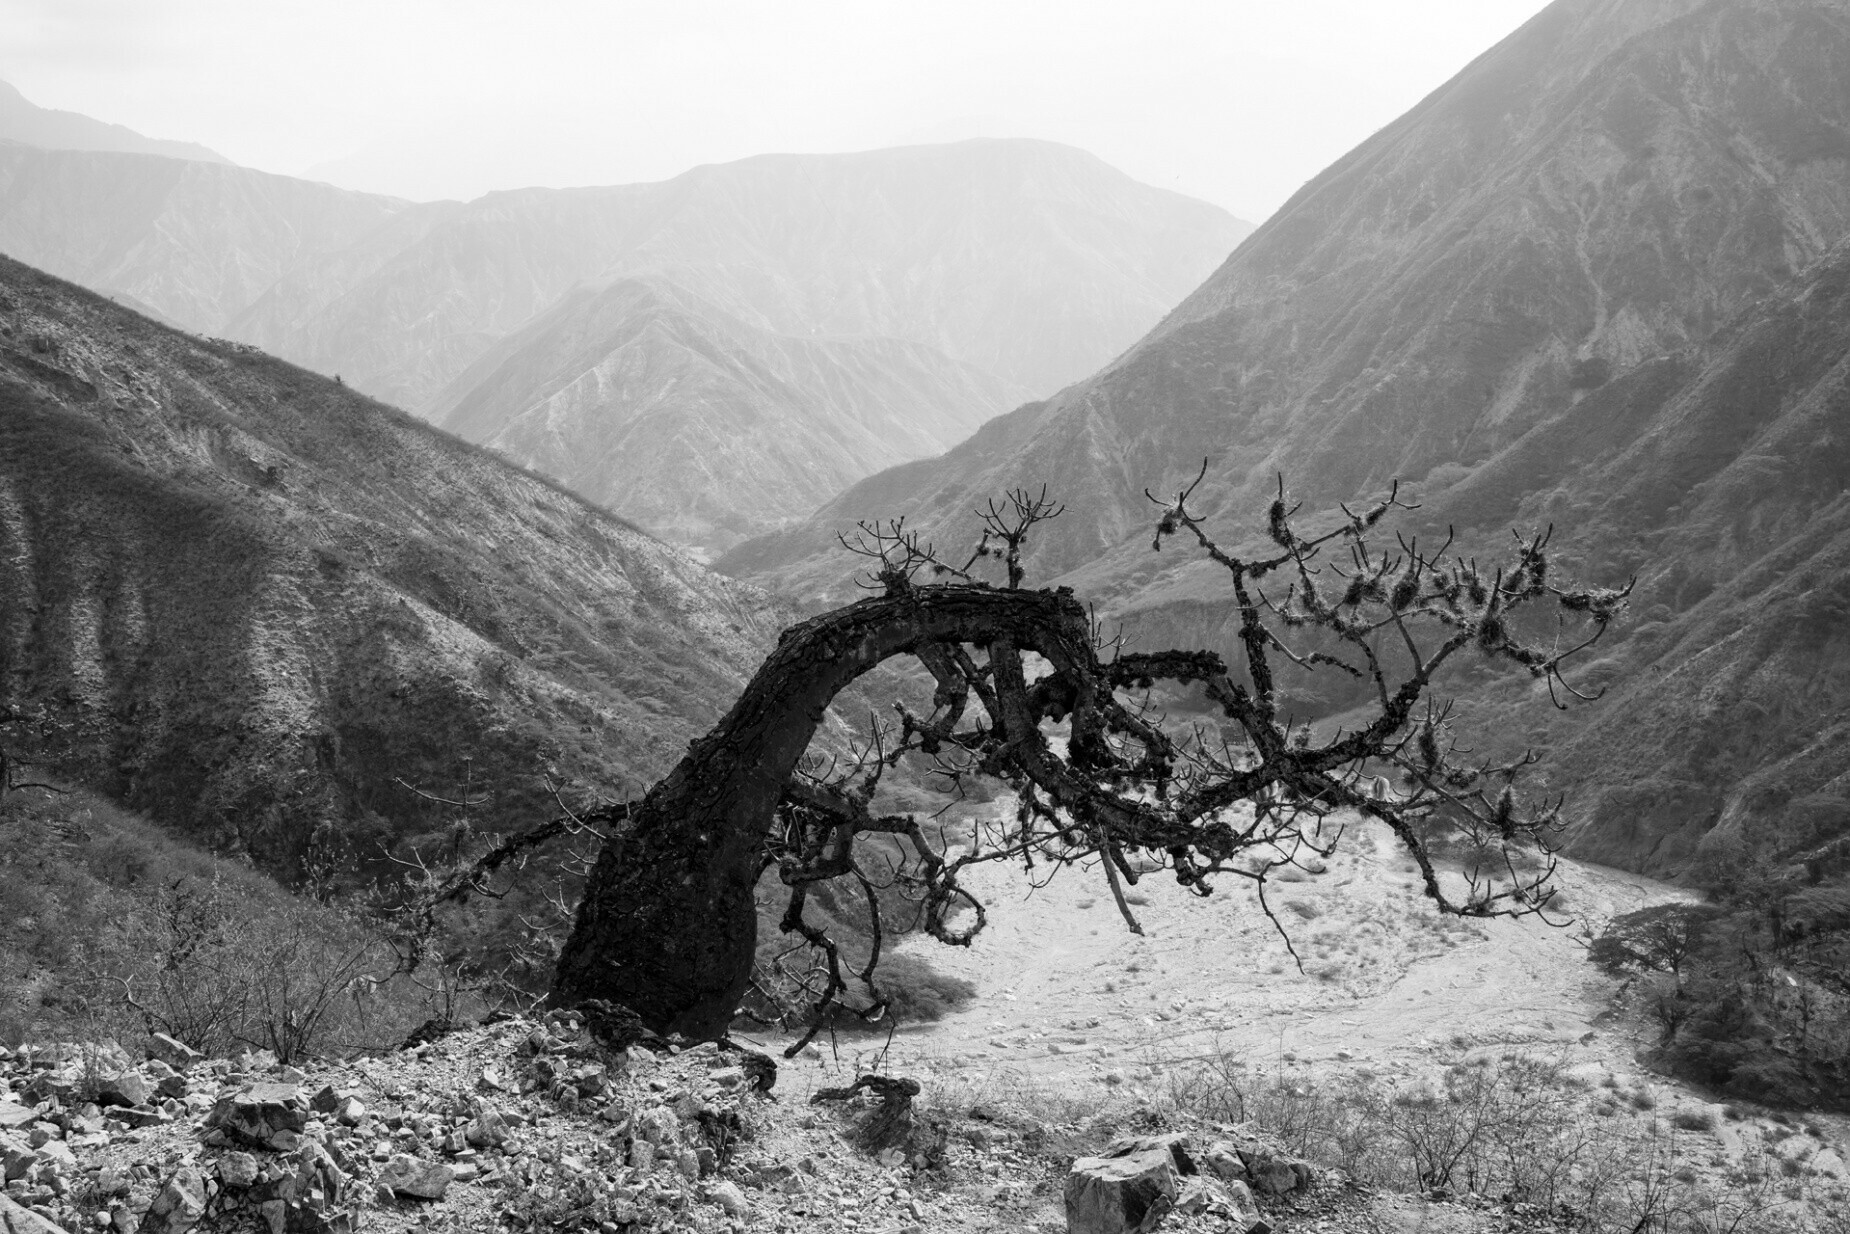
[(667, 925)]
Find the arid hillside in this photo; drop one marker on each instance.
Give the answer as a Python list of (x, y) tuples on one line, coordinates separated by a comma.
[(246, 599), (1591, 281), (1610, 183), (918, 291), (664, 408)]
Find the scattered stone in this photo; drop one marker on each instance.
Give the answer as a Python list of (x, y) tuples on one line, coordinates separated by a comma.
[(265, 1115), (174, 1052), (18, 1219), (422, 1180), (730, 1199), (237, 1170), (1127, 1189), (133, 1118), (124, 1088), (1273, 1173), (17, 1160), (179, 1205)]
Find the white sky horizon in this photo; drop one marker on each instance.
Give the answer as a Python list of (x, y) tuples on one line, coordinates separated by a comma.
[(1235, 102)]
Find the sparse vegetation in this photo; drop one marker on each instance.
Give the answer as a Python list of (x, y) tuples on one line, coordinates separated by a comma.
[(1749, 990), (1510, 1127), (117, 930)]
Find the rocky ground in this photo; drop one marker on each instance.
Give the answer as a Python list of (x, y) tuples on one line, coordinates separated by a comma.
[(540, 1125), (1079, 1044), (536, 1125)]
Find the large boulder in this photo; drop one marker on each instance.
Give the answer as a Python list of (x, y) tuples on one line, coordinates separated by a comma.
[(422, 1180), (265, 1115), (1129, 1187), (125, 1088), (173, 1052), (180, 1203), (18, 1219), (1272, 1173)]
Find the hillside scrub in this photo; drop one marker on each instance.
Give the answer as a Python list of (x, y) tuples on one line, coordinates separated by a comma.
[(249, 599), (1751, 991), (1519, 1127), (116, 930)]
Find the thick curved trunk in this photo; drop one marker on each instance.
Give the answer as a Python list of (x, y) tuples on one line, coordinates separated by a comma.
[(667, 925)]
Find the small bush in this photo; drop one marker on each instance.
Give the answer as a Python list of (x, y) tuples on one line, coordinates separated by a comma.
[(203, 964), (1694, 1120), (917, 992), (1508, 1127)]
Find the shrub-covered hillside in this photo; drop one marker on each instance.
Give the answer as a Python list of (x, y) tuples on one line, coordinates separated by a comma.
[(246, 600)]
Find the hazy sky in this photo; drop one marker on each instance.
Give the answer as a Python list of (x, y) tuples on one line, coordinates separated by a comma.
[(1236, 101)]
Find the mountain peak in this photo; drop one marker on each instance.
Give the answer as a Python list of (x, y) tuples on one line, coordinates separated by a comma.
[(24, 121)]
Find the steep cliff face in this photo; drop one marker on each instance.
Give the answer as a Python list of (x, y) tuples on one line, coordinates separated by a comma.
[(251, 598), (1610, 183), (657, 405)]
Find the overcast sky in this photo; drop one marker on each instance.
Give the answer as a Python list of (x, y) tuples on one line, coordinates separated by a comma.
[(1235, 101)]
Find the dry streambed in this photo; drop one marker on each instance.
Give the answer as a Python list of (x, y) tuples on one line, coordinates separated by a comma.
[(1072, 1005), (1067, 992)]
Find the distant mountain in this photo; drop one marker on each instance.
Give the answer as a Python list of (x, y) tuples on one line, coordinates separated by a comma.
[(1609, 183), (25, 122), (253, 599), (661, 407), (1019, 265), (196, 243), (1447, 305), (1033, 261)]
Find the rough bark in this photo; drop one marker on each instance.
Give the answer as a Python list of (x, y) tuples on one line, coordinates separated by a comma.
[(668, 926)]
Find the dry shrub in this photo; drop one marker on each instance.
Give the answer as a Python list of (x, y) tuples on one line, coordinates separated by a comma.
[(203, 963), (1512, 1128)]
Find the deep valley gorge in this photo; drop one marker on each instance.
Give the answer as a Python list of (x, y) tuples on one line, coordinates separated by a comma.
[(503, 702)]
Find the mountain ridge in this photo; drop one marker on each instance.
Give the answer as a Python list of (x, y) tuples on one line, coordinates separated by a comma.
[(250, 601), (666, 410), (1583, 207), (1020, 265), (23, 121)]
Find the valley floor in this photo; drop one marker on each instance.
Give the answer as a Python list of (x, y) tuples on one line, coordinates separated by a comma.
[(1066, 992), (1073, 1012)]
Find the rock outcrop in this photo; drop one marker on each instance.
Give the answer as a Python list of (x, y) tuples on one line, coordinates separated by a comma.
[(1139, 1180)]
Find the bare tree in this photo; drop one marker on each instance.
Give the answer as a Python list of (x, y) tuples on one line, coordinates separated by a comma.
[(1030, 695)]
